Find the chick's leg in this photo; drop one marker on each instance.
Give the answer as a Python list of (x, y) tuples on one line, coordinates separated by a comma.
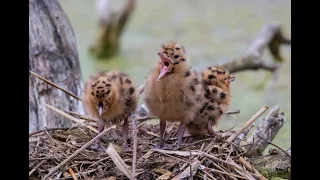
[(97, 145), (162, 130), (180, 132), (211, 131), (125, 129)]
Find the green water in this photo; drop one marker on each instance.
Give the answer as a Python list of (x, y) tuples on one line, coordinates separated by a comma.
[(213, 31)]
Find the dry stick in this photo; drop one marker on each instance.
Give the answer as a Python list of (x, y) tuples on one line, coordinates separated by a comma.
[(251, 168), (54, 85), (53, 170), (71, 118), (246, 125), (48, 129), (134, 158), (81, 116), (72, 173), (274, 145), (36, 167)]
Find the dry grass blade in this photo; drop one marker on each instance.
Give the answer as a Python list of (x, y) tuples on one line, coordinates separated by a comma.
[(53, 170), (179, 153), (118, 161), (246, 125), (54, 85), (71, 118)]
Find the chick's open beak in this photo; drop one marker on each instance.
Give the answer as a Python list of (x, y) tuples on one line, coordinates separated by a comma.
[(231, 78), (100, 110), (165, 64)]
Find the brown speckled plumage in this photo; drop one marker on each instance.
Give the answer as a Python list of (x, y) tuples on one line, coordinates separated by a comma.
[(216, 101), (114, 92)]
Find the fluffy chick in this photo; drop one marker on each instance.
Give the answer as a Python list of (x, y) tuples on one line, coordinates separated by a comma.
[(110, 96), (216, 84), (172, 90)]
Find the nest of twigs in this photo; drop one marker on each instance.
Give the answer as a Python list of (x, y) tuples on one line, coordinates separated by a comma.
[(202, 157)]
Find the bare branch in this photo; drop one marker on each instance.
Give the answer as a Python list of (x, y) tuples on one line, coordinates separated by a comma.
[(269, 37)]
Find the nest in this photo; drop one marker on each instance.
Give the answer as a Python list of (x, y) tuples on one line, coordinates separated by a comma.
[(202, 157)]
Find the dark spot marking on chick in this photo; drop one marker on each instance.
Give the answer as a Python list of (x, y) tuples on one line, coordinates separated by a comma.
[(212, 100), (97, 96), (123, 74), (205, 82), (211, 76), (108, 91), (205, 113), (204, 106), (172, 54), (210, 68), (192, 88), (113, 77), (196, 81), (220, 111), (211, 107), (100, 87), (166, 53), (186, 74), (175, 63), (102, 90), (222, 95), (207, 92), (131, 90), (212, 119), (108, 84), (95, 84), (172, 70), (128, 81), (103, 82), (177, 48), (128, 102), (183, 59), (176, 56), (102, 95), (97, 91), (214, 91), (92, 93), (109, 99)]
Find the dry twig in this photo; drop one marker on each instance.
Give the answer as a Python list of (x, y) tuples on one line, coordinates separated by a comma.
[(76, 153), (54, 85)]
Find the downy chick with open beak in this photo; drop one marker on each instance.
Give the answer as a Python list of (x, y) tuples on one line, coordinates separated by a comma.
[(216, 83), (110, 96), (172, 90)]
